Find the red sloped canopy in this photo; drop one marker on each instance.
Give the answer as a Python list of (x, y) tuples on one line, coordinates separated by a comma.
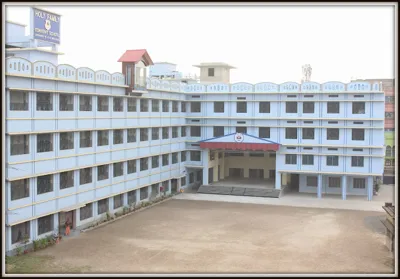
[(135, 56)]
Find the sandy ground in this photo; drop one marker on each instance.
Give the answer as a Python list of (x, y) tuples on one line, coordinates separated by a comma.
[(180, 236)]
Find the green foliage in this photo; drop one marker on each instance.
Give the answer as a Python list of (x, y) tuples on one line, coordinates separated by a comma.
[(36, 245), (19, 250)]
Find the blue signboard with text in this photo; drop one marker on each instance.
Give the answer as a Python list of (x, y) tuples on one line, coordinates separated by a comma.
[(46, 26)]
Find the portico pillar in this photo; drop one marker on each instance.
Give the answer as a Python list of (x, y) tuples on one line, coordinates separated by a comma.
[(278, 180), (204, 159), (370, 187), (344, 187), (319, 188)]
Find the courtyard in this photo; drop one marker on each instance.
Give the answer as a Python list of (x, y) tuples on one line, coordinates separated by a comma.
[(194, 236)]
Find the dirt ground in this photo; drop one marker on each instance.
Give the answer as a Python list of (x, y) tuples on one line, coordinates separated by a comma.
[(180, 236)]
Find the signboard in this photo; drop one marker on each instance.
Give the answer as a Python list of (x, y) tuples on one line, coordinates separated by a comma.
[(239, 137), (46, 26)]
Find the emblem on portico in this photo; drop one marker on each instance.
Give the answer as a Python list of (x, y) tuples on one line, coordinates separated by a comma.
[(239, 137), (47, 25)]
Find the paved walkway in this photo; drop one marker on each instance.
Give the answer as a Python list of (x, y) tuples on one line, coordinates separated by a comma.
[(290, 200)]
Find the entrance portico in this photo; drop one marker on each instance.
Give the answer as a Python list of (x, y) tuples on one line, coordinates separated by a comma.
[(240, 159)]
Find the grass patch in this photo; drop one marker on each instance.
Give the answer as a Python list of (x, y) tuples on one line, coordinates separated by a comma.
[(33, 264)]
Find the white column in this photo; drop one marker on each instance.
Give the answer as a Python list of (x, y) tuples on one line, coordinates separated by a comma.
[(319, 190), (204, 159), (370, 187), (278, 179), (137, 192), (344, 187)]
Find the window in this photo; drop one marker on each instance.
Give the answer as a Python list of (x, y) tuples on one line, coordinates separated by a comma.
[(358, 107), (132, 197), (183, 131), (44, 101), (118, 136), (102, 172), (131, 135), (393, 151), (334, 182), (242, 130), (308, 160), (66, 141), (358, 183), (44, 184), (388, 162), (195, 156), (308, 133), (144, 164), (308, 96), (389, 99), (132, 103), (19, 101), (358, 149), (155, 133), (308, 107), (265, 107), (18, 232), (102, 103), (131, 166), (144, 134), (85, 139), (175, 158), (102, 206), (308, 122), (291, 96), (86, 212), (234, 154), (118, 201), (155, 162), (118, 104), (165, 106), (85, 103), (333, 107), (195, 107), (291, 107), (357, 161), (332, 134), (165, 133), (333, 122), (290, 159), (144, 105), (19, 144), (183, 156), (219, 107), (241, 107), (175, 107), (19, 189), (118, 169), (102, 138), (332, 160), (256, 154), (312, 181), (333, 96), (165, 159), (183, 181), (195, 131), (144, 192), (211, 72), (174, 132), (66, 179), (44, 143), (389, 115), (264, 132), (357, 134), (45, 224), (218, 131), (183, 107), (155, 105), (358, 96), (85, 176), (66, 102), (291, 133)]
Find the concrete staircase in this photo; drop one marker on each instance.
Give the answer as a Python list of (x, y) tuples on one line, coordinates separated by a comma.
[(239, 191)]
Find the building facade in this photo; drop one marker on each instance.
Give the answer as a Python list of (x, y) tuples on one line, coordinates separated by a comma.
[(81, 143)]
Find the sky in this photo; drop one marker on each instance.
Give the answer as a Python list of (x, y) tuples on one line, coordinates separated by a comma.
[(264, 43)]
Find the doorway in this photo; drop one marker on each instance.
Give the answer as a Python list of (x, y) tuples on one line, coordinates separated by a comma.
[(256, 173), (63, 217), (294, 182), (210, 175), (272, 174), (236, 172), (219, 172)]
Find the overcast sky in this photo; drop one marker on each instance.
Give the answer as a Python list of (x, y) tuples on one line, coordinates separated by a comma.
[(265, 43)]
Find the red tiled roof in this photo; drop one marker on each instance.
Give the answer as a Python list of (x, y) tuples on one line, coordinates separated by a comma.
[(136, 55)]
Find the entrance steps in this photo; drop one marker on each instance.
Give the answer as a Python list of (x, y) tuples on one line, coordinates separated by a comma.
[(239, 191)]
